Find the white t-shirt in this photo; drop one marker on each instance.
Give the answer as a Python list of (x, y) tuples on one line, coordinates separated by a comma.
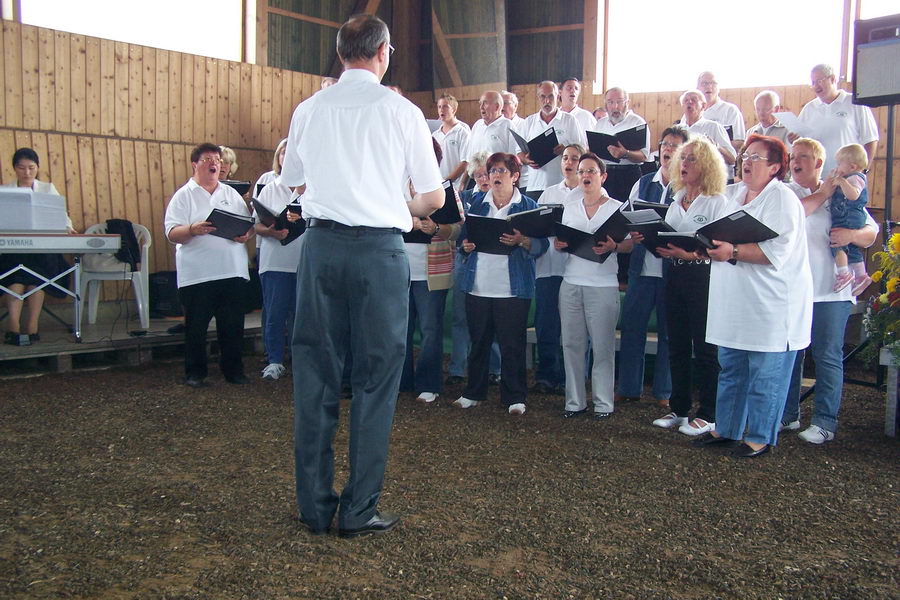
[(584, 117), (354, 144), (631, 120), (492, 272), (491, 138), (568, 131), (453, 143), (580, 271), (727, 113), (206, 257), (765, 308), (275, 257), (552, 263), (821, 261), (838, 124)]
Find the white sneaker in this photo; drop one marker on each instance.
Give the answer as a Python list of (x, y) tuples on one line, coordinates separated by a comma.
[(273, 371), (517, 409), (696, 426), (669, 421), (792, 426), (427, 397), (463, 402), (816, 435)]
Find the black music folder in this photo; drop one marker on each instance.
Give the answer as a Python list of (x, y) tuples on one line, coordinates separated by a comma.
[(616, 226), (452, 210), (268, 218), (229, 225), (580, 243), (417, 236), (485, 233), (241, 187), (737, 228), (540, 148), (538, 222), (259, 189), (648, 223), (632, 139), (661, 209)]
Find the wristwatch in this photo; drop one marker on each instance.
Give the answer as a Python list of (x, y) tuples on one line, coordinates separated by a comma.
[(734, 254), (437, 227)]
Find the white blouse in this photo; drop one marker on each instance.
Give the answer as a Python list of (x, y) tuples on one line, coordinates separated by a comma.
[(580, 271), (764, 308)]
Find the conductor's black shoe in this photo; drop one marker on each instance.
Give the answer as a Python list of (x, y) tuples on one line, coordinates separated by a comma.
[(195, 382), (237, 380), (317, 530), (380, 523)]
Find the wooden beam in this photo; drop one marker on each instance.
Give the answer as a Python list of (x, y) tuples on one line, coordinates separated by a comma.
[(500, 26), (591, 33), (605, 40), (549, 29), (846, 28), (443, 49), (262, 32), (466, 36), (293, 15)]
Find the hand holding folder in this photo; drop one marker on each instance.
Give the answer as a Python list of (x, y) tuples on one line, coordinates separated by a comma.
[(541, 149), (229, 225)]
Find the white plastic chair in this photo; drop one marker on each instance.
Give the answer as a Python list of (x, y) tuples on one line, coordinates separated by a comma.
[(140, 279)]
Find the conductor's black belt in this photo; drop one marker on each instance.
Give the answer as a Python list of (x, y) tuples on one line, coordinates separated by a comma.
[(329, 224)]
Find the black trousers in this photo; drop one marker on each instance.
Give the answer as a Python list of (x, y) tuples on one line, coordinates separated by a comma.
[(687, 298), (507, 319), (224, 299)]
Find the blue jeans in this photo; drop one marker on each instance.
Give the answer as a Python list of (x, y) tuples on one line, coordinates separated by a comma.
[(360, 307), (828, 325), (459, 355), (279, 299), (644, 294), (550, 369), (751, 394), (427, 308)]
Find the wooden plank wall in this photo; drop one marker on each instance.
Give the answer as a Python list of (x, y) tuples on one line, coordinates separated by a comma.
[(114, 123), (661, 109)]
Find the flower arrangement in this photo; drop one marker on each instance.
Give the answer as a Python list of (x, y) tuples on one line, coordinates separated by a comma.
[(882, 318)]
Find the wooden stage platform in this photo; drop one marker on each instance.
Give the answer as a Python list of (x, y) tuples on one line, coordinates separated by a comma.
[(108, 342)]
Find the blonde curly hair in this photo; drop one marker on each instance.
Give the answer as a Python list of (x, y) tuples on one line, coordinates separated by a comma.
[(713, 175)]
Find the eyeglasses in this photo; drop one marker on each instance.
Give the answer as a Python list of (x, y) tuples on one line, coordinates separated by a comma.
[(480, 175), (587, 171), (390, 50), (617, 102), (672, 145), (819, 81), (690, 159), (211, 159), (753, 157), (498, 171)]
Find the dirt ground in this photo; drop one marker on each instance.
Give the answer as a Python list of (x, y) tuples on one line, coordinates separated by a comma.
[(124, 484)]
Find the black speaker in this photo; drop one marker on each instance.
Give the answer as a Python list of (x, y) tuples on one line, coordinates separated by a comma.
[(876, 61)]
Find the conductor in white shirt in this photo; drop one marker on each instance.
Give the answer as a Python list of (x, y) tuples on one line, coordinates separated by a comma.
[(352, 146)]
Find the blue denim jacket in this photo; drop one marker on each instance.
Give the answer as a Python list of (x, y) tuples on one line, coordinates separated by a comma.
[(521, 261)]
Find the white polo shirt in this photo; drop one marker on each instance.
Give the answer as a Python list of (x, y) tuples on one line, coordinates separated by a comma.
[(727, 113), (702, 211), (342, 184), (630, 121), (492, 138), (580, 271), (492, 271), (584, 117), (206, 257), (765, 308), (453, 143), (275, 257), (821, 261), (838, 124), (552, 263), (568, 131)]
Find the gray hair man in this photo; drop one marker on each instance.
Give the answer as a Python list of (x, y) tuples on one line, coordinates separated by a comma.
[(352, 146)]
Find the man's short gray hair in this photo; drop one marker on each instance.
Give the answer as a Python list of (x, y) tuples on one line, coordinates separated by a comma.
[(360, 37), (770, 94), (826, 70)]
